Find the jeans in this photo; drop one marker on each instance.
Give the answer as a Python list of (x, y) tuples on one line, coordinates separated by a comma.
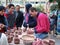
[(41, 35)]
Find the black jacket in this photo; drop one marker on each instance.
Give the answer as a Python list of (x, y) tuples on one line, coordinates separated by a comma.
[(19, 19), (3, 20), (31, 21)]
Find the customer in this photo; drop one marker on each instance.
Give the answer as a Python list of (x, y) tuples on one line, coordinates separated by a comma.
[(3, 20), (31, 21), (19, 17), (11, 17), (42, 28), (3, 27)]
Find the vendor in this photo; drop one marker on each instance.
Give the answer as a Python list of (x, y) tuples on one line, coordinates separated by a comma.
[(42, 28)]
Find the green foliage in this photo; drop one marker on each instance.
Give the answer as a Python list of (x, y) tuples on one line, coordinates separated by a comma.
[(58, 0), (54, 0), (39, 8), (51, 0), (54, 7)]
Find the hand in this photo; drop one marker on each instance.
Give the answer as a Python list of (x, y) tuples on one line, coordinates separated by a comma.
[(19, 28), (2, 26), (24, 29), (30, 31)]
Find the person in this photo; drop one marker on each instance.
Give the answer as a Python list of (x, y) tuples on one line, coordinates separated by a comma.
[(52, 21), (19, 17), (3, 27), (42, 27), (31, 21), (3, 20), (58, 20), (11, 17), (3, 39)]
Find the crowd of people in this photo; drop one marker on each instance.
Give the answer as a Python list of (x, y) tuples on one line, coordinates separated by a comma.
[(11, 17)]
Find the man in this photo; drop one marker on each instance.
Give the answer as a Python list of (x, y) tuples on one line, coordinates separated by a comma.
[(42, 28), (3, 27), (3, 20), (11, 17), (19, 17)]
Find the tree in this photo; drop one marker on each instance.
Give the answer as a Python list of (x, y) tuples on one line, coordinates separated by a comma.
[(51, 1), (40, 8), (54, 7), (58, 0)]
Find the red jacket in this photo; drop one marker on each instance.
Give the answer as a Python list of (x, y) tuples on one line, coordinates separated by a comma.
[(43, 24)]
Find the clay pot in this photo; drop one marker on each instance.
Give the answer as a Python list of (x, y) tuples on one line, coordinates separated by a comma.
[(20, 32), (28, 40), (24, 30), (51, 42), (12, 30), (15, 28), (8, 32), (16, 31), (46, 42), (9, 39), (16, 39), (12, 34)]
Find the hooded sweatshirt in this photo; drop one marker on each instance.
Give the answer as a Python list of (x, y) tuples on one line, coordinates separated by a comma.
[(42, 23)]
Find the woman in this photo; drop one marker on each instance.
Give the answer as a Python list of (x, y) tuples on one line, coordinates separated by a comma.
[(29, 19)]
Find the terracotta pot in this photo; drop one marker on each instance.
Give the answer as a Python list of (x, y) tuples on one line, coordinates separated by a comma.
[(12, 34), (8, 32), (16, 39), (16, 31), (28, 40), (24, 30), (20, 32), (51, 42), (12, 30), (10, 39), (46, 42)]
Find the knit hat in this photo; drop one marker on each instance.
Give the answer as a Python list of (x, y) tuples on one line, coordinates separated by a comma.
[(2, 8), (28, 6)]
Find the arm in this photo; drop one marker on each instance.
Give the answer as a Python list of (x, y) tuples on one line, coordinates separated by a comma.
[(5, 26), (42, 27), (32, 22)]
